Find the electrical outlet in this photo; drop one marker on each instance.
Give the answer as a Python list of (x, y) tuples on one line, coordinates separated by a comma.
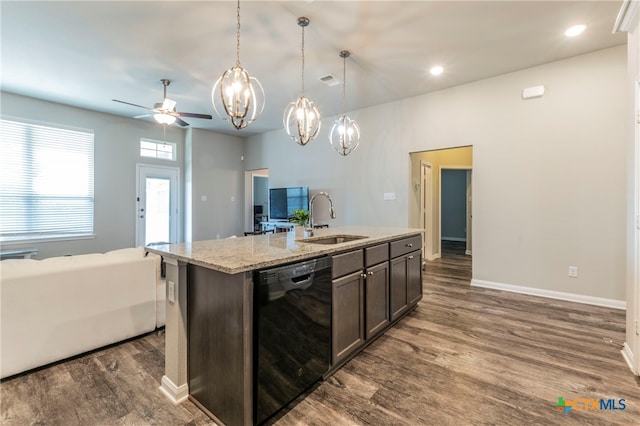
[(171, 291), (573, 271)]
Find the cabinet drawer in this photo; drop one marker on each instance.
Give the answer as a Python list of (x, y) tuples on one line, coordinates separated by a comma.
[(405, 245), (376, 254), (346, 263)]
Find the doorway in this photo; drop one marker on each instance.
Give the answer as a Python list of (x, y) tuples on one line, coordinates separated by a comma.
[(157, 211), (425, 209), (455, 207), (256, 198)]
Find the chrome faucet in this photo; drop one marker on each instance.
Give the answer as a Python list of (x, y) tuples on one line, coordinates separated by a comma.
[(332, 213)]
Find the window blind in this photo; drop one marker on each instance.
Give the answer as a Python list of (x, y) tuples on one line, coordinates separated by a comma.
[(46, 182)]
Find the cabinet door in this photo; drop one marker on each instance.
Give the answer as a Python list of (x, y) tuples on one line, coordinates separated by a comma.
[(377, 299), (348, 315), (414, 277), (398, 285)]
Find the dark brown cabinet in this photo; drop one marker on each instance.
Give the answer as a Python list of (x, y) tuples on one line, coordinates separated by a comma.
[(347, 319), (348, 315), (405, 275), (360, 298), (376, 289)]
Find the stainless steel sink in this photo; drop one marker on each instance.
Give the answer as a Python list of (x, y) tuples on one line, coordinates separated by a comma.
[(332, 239)]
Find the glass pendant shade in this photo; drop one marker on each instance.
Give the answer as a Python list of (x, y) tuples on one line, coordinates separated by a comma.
[(164, 118), (239, 96), (236, 96), (302, 120), (344, 135)]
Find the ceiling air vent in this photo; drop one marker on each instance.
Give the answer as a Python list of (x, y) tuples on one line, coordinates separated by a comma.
[(330, 80)]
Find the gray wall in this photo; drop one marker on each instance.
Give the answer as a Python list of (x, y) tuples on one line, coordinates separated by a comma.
[(211, 166), (549, 173), (217, 174), (454, 205), (116, 152)]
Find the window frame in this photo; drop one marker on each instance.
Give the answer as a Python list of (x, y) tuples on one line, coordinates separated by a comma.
[(156, 142)]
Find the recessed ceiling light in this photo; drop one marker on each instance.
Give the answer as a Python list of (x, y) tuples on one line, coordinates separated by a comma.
[(437, 70), (575, 30)]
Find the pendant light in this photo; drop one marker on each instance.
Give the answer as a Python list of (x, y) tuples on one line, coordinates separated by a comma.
[(301, 117), (345, 132), (239, 95)]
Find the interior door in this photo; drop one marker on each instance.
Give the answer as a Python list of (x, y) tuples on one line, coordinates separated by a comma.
[(157, 213), (426, 221)]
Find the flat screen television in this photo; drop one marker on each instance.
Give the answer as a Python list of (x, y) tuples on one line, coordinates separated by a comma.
[(283, 201)]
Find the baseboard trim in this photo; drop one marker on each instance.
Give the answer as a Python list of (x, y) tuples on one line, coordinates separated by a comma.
[(434, 256), (551, 294), (176, 394), (457, 239), (628, 357), (467, 252)]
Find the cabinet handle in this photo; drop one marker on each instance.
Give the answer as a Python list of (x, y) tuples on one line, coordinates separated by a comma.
[(410, 257), (370, 273), (409, 245), (363, 275)]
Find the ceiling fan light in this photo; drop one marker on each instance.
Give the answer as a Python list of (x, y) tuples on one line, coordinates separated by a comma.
[(164, 118), (344, 135)]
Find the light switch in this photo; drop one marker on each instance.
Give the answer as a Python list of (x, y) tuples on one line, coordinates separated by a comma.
[(171, 291), (389, 196), (203, 198)]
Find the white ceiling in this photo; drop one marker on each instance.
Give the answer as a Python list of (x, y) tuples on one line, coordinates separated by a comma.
[(86, 53)]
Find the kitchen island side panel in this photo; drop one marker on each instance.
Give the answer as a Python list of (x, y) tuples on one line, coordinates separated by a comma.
[(220, 348)]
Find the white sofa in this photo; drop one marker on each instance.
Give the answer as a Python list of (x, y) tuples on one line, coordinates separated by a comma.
[(59, 307)]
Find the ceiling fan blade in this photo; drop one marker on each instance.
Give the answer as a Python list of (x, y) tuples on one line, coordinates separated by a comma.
[(194, 115), (168, 104), (129, 103), (181, 122), (142, 116)]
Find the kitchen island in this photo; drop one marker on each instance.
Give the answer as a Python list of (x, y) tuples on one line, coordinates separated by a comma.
[(210, 305)]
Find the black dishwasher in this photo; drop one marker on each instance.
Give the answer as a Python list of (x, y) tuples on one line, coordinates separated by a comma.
[(292, 332)]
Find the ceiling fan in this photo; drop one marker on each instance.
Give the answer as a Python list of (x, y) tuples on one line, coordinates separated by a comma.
[(165, 112)]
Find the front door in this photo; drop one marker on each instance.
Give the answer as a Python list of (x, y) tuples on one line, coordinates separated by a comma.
[(157, 214)]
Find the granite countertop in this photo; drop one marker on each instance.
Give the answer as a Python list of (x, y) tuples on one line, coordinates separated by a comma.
[(242, 254)]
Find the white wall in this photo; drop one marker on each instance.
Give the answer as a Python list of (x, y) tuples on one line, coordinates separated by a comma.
[(116, 152), (549, 173), (633, 194)]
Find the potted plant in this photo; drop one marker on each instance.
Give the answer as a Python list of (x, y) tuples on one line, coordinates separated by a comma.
[(301, 217)]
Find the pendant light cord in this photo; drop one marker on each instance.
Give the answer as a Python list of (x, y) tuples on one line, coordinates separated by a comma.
[(344, 85), (238, 35), (303, 61)]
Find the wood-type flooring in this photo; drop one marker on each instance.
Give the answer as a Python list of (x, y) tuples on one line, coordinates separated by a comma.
[(465, 356)]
